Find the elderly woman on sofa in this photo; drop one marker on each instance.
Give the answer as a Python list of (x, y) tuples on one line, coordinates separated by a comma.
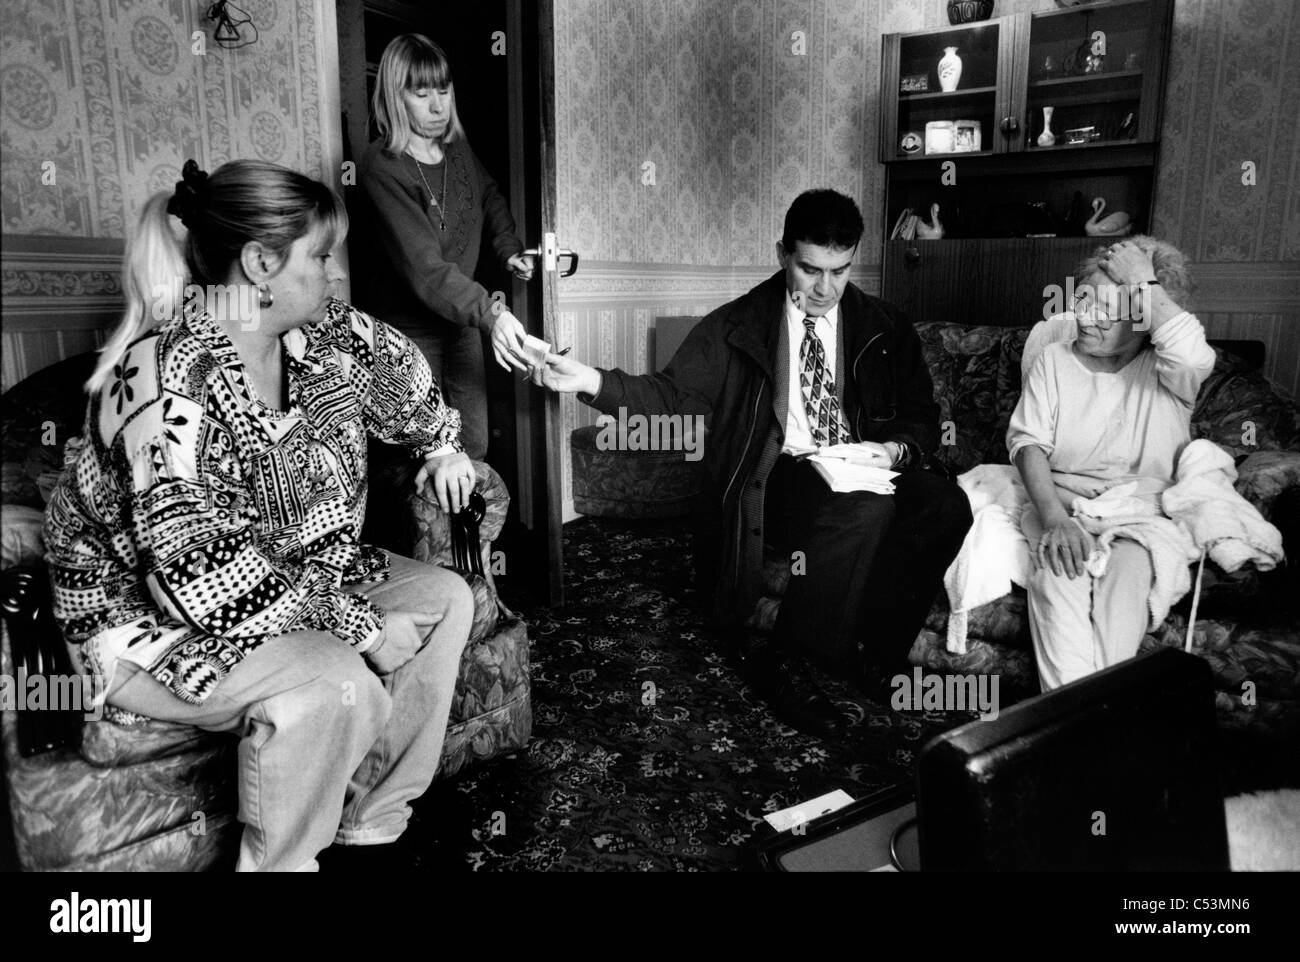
[(1107, 401)]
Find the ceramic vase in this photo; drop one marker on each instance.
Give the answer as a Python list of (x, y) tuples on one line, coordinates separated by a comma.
[(949, 69), (1047, 138), (969, 11)]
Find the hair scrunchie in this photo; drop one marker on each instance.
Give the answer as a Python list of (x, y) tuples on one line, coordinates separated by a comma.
[(191, 193)]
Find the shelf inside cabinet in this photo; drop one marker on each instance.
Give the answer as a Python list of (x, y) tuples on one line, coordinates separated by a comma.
[(1092, 97), (1007, 201), (1094, 145), (1086, 79), (946, 94), (949, 156), (1122, 87), (1098, 155)]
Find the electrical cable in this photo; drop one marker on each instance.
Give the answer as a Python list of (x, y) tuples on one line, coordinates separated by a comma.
[(227, 33)]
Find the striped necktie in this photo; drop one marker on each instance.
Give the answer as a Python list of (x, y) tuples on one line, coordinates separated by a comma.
[(817, 383)]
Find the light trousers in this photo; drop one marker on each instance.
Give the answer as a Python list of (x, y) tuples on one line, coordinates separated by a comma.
[(330, 751), (1081, 625)]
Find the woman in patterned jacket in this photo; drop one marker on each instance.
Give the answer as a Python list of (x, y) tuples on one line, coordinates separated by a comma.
[(203, 547)]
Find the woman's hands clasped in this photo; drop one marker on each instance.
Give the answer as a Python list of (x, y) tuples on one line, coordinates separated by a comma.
[(1065, 548), (452, 477)]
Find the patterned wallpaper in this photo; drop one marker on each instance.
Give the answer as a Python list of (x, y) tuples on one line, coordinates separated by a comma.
[(1231, 77), (101, 102), (112, 93), (1232, 94), (736, 125)]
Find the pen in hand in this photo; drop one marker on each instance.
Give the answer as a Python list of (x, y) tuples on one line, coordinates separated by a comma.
[(530, 374)]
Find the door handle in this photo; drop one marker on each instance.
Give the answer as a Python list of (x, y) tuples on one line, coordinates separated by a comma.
[(550, 253)]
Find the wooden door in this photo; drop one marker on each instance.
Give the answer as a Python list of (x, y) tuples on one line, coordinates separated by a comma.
[(537, 544), (540, 410)]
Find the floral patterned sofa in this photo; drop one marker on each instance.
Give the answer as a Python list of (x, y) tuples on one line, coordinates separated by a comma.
[(1247, 628), (138, 794)]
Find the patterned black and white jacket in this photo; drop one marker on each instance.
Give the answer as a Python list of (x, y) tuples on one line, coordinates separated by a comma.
[(194, 521)]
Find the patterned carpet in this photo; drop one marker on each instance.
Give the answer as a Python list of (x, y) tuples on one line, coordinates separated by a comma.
[(615, 780), (618, 780), (649, 753)]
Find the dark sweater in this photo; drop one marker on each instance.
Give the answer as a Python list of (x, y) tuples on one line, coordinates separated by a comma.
[(419, 278)]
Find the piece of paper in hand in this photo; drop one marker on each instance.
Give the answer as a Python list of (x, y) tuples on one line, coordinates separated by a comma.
[(535, 350)]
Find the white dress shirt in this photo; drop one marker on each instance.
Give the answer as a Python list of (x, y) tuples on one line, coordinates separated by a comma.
[(798, 429)]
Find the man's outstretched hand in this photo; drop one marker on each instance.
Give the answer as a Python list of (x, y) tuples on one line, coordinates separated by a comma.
[(568, 376)]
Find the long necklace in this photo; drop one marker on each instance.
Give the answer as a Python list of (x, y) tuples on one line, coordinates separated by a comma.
[(433, 201)]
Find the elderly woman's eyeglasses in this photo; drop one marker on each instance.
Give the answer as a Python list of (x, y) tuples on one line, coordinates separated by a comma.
[(1085, 309)]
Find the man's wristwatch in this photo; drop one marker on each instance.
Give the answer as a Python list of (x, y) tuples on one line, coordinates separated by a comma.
[(1145, 286), (901, 453)]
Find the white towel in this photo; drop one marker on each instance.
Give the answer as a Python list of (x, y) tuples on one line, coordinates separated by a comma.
[(994, 554), (1204, 503)]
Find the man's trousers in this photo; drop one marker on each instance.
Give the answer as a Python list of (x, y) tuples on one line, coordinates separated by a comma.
[(865, 567)]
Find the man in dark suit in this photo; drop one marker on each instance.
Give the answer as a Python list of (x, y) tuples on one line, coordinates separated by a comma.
[(803, 361)]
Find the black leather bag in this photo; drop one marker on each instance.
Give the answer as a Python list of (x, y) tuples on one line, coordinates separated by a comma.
[(37, 647)]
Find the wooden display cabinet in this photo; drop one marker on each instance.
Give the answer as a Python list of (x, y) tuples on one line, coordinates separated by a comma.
[(1014, 211)]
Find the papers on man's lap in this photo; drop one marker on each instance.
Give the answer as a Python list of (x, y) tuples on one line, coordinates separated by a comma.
[(844, 476), (850, 467)]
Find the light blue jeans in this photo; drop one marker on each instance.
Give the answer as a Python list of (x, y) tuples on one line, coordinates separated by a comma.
[(329, 751)]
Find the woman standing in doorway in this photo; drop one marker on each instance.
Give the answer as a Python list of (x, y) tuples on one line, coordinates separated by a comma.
[(430, 201)]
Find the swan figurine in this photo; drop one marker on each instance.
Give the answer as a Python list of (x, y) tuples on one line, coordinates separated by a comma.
[(925, 231), (1117, 224)]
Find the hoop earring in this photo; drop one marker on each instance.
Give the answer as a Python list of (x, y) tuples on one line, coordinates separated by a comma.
[(264, 296)]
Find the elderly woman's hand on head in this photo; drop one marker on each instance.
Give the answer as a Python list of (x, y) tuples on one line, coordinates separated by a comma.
[(1126, 263)]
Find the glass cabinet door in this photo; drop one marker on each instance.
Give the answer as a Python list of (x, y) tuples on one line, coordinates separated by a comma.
[(1093, 74), (949, 89)]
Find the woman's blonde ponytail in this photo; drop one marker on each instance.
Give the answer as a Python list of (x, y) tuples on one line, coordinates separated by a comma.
[(154, 276)]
